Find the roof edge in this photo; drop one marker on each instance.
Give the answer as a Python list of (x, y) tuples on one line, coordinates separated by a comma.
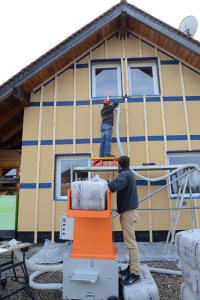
[(49, 57)]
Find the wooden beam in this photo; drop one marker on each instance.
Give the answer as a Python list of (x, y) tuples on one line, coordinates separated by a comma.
[(17, 141), (21, 96), (10, 133), (10, 115), (53, 156), (13, 142), (9, 180), (10, 158), (123, 25)]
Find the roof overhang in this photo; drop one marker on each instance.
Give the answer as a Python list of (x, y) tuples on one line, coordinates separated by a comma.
[(15, 93), (95, 26)]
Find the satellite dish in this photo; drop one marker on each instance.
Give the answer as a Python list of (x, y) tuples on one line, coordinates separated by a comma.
[(189, 25)]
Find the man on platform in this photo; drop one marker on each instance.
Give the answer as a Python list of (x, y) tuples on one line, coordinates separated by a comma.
[(106, 127)]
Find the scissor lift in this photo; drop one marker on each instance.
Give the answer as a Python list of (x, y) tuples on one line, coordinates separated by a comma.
[(91, 269), (101, 161)]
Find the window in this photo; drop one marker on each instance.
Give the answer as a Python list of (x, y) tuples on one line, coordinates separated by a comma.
[(64, 174), (106, 80), (185, 158), (143, 79)]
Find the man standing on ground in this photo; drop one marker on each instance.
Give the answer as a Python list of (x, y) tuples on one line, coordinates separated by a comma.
[(127, 203), (106, 127)]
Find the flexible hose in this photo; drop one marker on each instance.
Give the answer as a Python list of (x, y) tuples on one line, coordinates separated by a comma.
[(43, 286), (136, 173), (187, 166), (117, 130), (38, 270)]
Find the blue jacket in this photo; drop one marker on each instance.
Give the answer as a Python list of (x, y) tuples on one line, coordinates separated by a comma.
[(125, 186)]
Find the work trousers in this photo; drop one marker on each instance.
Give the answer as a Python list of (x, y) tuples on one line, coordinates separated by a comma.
[(128, 220), (106, 137)]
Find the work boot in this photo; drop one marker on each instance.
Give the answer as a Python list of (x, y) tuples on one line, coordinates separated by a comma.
[(125, 272), (130, 279)]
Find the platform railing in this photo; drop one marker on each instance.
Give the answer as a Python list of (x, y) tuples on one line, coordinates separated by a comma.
[(184, 181)]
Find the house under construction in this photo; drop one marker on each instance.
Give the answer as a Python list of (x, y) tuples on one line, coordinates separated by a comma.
[(50, 116)]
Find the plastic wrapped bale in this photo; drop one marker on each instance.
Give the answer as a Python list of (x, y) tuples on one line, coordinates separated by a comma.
[(144, 290), (192, 278), (89, 195), (188, 247), (186, 293)]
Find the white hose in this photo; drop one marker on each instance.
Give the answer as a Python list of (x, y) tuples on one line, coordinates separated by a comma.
[(165, 271), (39, 269), (43, 286), (117, 130), (186, 166), (136, 173)]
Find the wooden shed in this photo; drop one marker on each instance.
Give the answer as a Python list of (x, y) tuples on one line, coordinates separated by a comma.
[(51, 111)]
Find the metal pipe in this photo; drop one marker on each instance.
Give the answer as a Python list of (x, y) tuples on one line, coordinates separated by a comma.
[(164, 209), (180, 206), (173, 216), (165, 271), (191, 204), (164, 186)]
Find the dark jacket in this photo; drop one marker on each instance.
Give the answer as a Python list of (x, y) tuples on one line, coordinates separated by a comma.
[(125, 186), (107, 113)]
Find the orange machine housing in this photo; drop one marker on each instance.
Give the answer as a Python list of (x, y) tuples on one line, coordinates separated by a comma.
[(92, 232)]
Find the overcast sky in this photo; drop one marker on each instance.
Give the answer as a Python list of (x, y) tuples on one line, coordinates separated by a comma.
[(29, 28)]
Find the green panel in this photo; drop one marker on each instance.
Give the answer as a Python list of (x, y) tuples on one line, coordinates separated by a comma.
[(8, 212)]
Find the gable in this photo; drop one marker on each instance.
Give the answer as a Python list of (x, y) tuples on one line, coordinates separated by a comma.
[(98, 40)]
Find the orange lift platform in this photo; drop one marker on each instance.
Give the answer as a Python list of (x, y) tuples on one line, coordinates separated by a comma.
[(90, 271), (102, 161)]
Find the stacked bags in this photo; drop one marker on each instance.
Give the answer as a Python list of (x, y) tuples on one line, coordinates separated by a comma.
[(144, 290), (188, 248), (90, 194)]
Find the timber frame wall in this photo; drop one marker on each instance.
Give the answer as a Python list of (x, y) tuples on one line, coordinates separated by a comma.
[(63, 118)]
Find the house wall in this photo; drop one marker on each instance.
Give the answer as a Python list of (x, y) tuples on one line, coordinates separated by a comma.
[(48, 128)]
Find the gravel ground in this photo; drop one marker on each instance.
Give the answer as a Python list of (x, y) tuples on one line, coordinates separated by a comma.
[(168, 285)]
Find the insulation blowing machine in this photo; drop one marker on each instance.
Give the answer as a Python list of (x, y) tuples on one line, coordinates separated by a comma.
[(90, 270)]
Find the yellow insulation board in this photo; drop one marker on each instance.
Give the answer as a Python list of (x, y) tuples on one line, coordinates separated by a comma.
[(26, 210), (174, 122), (65, 89), (171, 80), (31, 119)]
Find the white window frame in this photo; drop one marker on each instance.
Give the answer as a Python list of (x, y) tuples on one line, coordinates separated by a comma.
[(187, 195), (107, 66), (144, 64), (58, 160)]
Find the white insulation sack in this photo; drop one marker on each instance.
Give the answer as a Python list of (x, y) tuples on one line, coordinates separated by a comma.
[(144, 290), (192, 278), (89, 195), (186, 293), (188, 247)]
